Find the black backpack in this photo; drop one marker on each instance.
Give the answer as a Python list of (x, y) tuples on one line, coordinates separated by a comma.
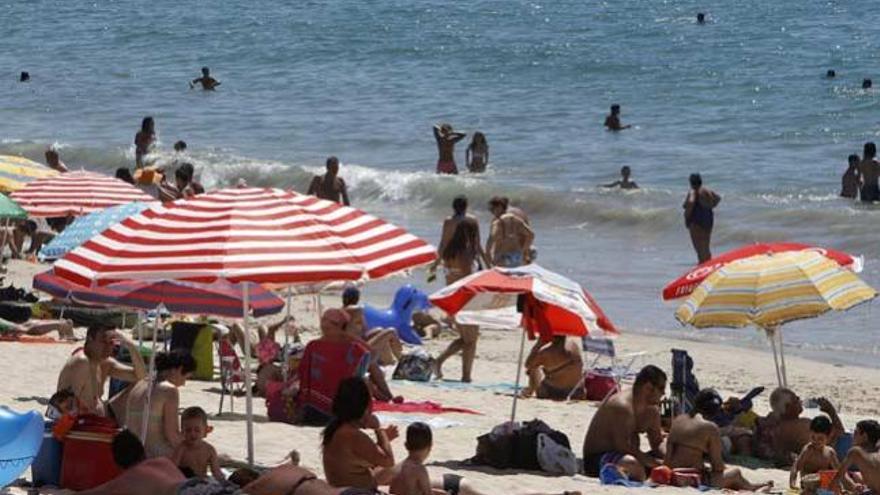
[(516, 449)]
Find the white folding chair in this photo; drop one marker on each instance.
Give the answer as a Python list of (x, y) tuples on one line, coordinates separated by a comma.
[(603, 347)]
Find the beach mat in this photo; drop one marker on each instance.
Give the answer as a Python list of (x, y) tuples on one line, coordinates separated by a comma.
[(500, 387), (31, 339), (436, 423), (424, 407)]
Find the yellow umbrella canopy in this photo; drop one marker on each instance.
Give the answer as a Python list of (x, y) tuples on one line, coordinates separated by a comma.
[(16, 172), (769, 290)]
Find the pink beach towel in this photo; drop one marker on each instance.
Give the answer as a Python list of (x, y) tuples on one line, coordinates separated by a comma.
[(425, 407)]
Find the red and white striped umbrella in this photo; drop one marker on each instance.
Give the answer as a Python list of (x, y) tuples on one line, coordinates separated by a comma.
[(75, 193), (255, 235)]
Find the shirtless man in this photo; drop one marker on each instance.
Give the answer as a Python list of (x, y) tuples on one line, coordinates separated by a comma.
[(613, 435), (693, 439), (624, 182), (87, 370), (446, 139), (850, 182), (329, 186), (208, 83), (458, 250), (869, 169), (864, 457), (612, 121), (510, 238), (554, 369), (785, 433), (54, 161)]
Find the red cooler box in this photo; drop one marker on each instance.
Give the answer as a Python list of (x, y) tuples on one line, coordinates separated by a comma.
[(88, 459)]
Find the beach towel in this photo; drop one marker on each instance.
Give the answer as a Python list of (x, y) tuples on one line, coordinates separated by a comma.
[(324, 365), (436, 423), (424, 407), (500, 387), (29, 339)]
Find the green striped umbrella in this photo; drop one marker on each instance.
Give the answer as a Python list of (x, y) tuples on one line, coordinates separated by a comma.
[(9, 209)]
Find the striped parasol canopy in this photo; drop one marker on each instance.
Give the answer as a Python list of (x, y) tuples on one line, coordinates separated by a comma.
[(247, 234), (217, 299), (76, 194), (9, 209), (770, 290), (16, 172), (86, 227)]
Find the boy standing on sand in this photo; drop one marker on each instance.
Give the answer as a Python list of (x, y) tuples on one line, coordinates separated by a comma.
[(194, 455), (446, 139), (817, 455)]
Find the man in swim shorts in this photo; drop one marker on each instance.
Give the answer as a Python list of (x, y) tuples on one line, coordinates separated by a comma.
[(510, 238), (554, 369), (869, 169), (330, 186), (613, 434), (446, 139)]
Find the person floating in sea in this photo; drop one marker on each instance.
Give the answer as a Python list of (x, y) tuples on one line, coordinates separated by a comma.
[(867, 83), (180, 147), (24, 77), (446, 139), (144, 141), (208, 83), (869, 170), (612, 121), (831, 74), (701, 18), (477, 154), (510, 237), (330, 186), (624, 182), (849, 183), (699, 217), (54, 161)]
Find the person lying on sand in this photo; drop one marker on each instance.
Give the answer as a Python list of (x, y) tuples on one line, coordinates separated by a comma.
[(38, 327), (782, 434), (692, 439), (554, 368), (87, 370), (613, 434)]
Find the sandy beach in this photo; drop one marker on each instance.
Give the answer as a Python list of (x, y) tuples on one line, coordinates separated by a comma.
[(29, 379)]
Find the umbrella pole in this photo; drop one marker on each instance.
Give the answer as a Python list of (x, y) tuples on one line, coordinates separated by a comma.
[(140, 329), (146, 412), (771, 334), (782, 358), (249, 406), (3, 244), (286, 337), (519, 365)]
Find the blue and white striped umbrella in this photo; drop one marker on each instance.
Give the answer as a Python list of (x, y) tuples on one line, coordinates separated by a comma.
[(88, 226)]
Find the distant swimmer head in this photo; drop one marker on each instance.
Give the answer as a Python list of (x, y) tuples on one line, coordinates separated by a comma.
[(180, 146), (870, 150), (696, 181), (867, 83), (460, 204), (148, 125), (24, 77), (625, 171), (853, 160), (615, 109), (206, 71), (333, 165), (831, 74), (701, 18)]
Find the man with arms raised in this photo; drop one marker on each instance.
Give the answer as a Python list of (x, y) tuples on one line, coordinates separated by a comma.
[(613, 435), (87, 370)]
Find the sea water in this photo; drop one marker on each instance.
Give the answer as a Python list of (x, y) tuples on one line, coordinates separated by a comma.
[(741, 99)]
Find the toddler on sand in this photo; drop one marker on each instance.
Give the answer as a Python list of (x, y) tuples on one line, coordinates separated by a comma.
[(194, 455)]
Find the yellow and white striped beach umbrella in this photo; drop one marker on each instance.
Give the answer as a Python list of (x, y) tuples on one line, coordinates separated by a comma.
[(769, 290), (16, 172)]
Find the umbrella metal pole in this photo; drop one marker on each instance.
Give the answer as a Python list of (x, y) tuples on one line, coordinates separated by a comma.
[(249, 406), (771, 334), (146, 411), (3, 243), (286, 337), (782, 358), (522, 346), (140, 329)]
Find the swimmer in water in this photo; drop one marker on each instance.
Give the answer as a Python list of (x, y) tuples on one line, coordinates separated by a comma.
[(624, 182), (831, 74), (701, 18), (208, 83), (477, 154), (54, 161), (446, 139), (25, 77), (144, 141), (849, 187), (612, 121), (867, 83)]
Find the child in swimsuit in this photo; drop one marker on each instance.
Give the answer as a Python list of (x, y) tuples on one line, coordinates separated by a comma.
[(194, 455), (477, 154)]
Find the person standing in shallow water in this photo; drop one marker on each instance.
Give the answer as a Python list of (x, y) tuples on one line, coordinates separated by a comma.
[(330, 186), (869, 170), (699, 217), (144, 141), (849, 184), (477, 154), (446, 139), (612, 121)]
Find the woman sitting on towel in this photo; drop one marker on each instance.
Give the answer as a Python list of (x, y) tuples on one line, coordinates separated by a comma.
[(351, 457), (162, 419)]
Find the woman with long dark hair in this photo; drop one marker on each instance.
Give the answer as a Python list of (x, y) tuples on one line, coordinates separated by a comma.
[(351, 457)]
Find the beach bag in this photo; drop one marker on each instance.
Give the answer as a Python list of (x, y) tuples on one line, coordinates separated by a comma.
[(598, 386), (280, 407), (686, 478), (15, 312), (525, 452), (417, 366), (554, 458), (495, 448)]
